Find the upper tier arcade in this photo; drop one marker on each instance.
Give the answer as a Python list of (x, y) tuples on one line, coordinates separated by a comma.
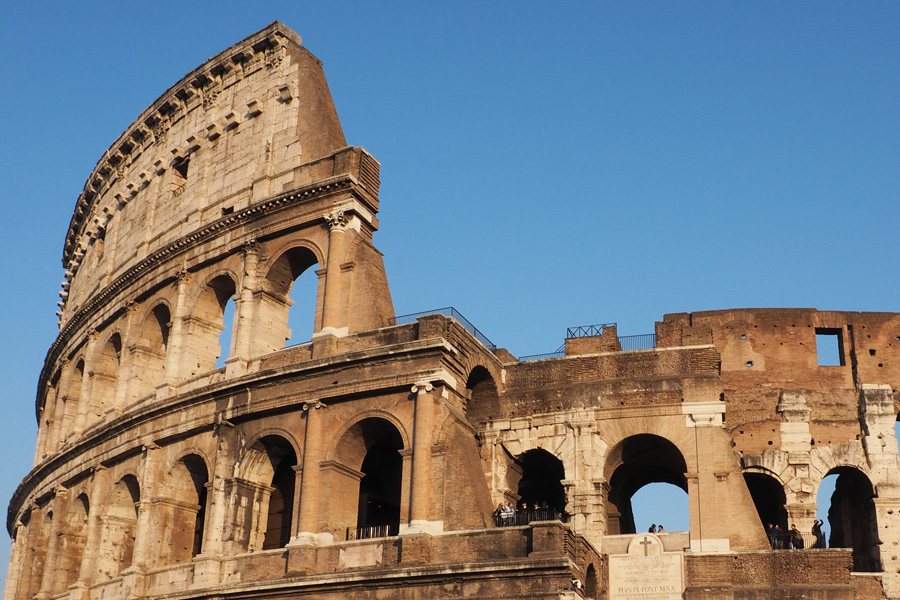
[(230, 185)]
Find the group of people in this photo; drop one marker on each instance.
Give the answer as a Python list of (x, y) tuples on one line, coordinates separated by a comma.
[(507, 514), (792, 539), (657, 528)]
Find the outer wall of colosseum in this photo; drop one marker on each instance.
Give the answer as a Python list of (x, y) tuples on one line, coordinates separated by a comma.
[(368, 462)]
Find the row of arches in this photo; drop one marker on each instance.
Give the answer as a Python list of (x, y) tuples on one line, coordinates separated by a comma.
[(185, 512), (184, 331)]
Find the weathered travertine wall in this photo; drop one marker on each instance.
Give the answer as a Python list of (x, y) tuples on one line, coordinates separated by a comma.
[(368, 462)]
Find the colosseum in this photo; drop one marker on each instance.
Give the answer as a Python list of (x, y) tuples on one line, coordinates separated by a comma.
[(408, 456)]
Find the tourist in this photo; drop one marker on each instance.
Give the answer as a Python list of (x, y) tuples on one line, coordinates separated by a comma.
[(652, 528), (660, 529)]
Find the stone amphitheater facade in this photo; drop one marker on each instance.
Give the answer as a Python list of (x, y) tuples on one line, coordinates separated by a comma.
[(367, 463)]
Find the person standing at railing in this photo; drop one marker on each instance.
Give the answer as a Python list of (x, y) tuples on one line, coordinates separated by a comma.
[(796, 540), (820, 535)]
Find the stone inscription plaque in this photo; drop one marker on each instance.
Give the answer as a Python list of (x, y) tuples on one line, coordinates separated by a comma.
[(646, 572)]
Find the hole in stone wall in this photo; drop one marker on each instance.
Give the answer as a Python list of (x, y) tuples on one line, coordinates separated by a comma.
[(871, 351), (749, 363), (829, 347)]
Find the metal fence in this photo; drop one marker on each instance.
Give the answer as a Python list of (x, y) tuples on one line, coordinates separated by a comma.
[(587, 330), (453, 314), (370, 532), (524, 517), (645, 341)]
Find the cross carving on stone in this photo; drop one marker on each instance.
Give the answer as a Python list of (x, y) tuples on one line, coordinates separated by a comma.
[(645, 543)]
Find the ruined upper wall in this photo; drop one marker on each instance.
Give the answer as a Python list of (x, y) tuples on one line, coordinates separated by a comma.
[(231, 133)]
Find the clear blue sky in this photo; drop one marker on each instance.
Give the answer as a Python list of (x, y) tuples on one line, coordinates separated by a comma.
[(544, 165)]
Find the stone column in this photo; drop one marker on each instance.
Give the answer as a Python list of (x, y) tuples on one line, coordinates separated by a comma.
[(334, 319), (310, 488), (124, 389), (141, 558), (420, 505), (236, 364), (174, 368), (302, 547), (84, 400), (93, 533), (51, 559), (28, 580)]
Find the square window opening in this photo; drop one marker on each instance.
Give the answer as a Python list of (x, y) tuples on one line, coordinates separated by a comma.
[(830, 347)]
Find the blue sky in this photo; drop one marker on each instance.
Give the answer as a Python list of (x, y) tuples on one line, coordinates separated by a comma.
[(544, 165)]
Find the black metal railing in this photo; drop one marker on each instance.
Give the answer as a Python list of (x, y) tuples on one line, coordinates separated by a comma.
[(587, 330), (803, 541), (530, 357), (369, 532), (524, 517), (646, 341), (447, 312)]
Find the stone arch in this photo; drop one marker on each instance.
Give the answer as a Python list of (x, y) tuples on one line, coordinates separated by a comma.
[(853, 519), (591, 583), (367, 474), (268, 482), (540, 486), (769, 497), (275, 303), (483, 400), (183, 509), (150, 349), (105, 375), (71, 543), (354, 422), (633, 463), (205, 324), (118, 528)]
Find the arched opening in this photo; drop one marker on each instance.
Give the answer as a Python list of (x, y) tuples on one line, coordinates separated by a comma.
[(71, 544), (852, 518), (484, 402), (150, 351), (769, 499), (379, 488), (634, 463), (185, 513), (279, 512), (226, 338), (371, 474), (206, 325), (292, 302), (541, 493), (119, 528), (104, 377), (591, 584)]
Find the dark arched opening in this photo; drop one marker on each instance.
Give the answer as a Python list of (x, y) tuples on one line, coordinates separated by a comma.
[(540, 488), (281, 500), (632, 464), (293, 301), (379, 488), (852, 519), (484, 402), (769, 499)]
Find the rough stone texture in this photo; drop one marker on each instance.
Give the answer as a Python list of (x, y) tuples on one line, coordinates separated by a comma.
[(367, 462)]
